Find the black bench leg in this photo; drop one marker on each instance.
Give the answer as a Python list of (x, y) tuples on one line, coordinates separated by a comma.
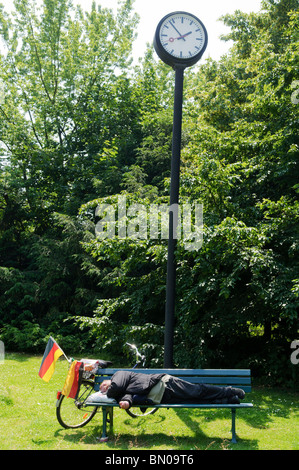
[(104, 437), (234, 438), (107, 418), (110, 414)]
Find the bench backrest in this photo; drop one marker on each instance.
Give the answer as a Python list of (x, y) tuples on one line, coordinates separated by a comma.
[(240, 378)]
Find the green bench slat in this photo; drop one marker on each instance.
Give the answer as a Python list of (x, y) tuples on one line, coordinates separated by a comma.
[(176, 405), (182, 372), (246, 388), (201, 380)]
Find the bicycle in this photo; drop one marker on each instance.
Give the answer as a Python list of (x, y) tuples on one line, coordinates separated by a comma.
[(73, 413)]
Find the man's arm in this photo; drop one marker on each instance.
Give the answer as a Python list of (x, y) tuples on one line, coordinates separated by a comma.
[(114, 392), (126, 399), (118, 386)]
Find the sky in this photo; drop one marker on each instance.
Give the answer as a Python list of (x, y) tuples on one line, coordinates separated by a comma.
[(151, 12)]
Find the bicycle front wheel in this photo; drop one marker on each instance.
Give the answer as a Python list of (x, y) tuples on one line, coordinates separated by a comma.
[(72, 413), (137, 413)]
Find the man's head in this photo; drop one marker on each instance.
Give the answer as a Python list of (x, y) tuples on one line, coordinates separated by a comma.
[(105, 385)]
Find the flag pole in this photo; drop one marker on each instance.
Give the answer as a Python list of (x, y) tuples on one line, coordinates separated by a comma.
[(68, 360)]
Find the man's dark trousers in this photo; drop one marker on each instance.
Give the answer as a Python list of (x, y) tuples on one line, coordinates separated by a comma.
[(180, 391)]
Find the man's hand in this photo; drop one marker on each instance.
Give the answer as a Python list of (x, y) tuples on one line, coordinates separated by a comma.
[(124, 405)]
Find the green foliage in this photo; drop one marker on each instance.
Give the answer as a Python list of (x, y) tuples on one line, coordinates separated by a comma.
[(242, 163), (80, 127), (66, 95)]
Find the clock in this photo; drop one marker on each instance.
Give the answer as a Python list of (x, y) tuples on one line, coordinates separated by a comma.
[(180, 39)]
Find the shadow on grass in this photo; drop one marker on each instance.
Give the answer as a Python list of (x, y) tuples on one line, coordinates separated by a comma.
[(266, 407), (151, 440), (277, 403), (18, 357), (155, 441)]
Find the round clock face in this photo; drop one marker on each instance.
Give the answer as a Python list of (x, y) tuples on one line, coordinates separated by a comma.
[(180, 38)]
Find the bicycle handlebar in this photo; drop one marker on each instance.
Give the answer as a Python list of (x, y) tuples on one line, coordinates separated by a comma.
[(138, 355)]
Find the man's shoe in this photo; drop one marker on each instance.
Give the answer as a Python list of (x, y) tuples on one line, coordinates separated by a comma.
[(238, 392), (234, 400)]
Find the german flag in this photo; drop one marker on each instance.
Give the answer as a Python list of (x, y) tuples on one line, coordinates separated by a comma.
[(73, 380), (51, 354)]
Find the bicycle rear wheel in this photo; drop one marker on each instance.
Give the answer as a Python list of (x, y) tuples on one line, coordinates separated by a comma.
[(72, 413)]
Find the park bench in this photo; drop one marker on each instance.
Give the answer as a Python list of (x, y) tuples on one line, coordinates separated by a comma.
[(239, 378)]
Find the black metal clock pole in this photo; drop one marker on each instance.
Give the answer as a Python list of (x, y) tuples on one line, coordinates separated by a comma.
[(180, 41), (173, 217)]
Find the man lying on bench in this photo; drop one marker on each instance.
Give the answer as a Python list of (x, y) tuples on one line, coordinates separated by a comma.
[(132, 388)]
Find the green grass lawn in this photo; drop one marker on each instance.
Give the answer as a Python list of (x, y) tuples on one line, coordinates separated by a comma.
[(28, 419)]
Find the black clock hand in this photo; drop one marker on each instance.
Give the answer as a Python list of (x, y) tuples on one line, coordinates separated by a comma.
[(177, 31)]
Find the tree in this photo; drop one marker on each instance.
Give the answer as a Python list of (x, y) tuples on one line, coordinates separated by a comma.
[(242, 163), (63, 126), (66, 94)]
